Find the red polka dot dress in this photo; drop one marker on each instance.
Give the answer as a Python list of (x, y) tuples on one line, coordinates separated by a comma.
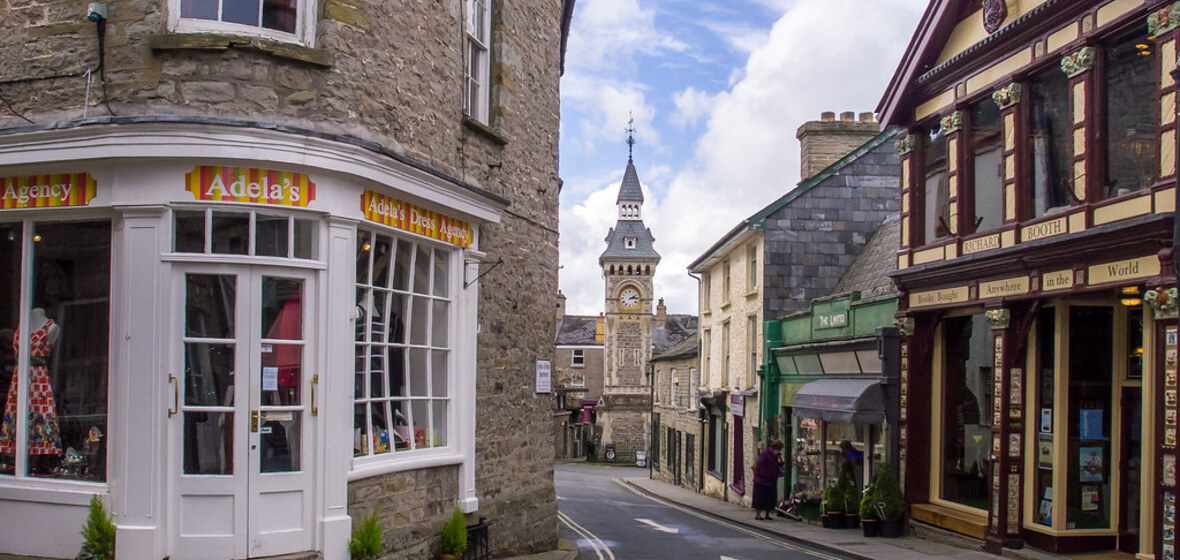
[(44, 435)]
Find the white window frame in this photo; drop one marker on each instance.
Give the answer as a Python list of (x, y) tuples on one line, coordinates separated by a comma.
[(629, 242), (725, 350), (752, 344), (675, 386), (477, 40), (305, 25), (693, 388), (705, 291), (752, 268), (578, 358), (726, 285)]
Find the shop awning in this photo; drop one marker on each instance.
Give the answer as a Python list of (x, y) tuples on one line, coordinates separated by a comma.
[(856, 401)]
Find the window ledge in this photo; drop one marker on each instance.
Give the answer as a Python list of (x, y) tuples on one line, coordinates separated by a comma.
[(579, 366), (485, 130), (725, 306), (215, 41), (753, 293)]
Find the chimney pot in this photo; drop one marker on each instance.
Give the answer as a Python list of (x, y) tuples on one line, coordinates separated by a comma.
[(847, 116), (827, 116), (866, 117)]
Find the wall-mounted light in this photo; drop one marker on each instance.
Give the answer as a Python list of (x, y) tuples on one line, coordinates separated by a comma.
[(367, 246), (1129, 296), (37, 238), (1144, 49)]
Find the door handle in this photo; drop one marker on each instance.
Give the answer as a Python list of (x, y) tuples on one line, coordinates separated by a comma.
[(315, 383), (175, 395), (254, 421)]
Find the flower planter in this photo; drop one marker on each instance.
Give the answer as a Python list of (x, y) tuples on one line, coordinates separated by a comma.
[(892, 528), (833, 520), (851, 521), (869, 526)]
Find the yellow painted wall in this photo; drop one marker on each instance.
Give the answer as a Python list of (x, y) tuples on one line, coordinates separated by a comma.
[(971, 31)]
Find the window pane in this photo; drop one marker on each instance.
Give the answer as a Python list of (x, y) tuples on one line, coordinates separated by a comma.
[(441, 269), (1046, 365), (240, 11), (282, 308), (10, 264), (200, 9), (208, 447), (279, 15), (396, 325), (438, 324), (360, 430), (840, 362), (808, 364), (401, 424), (418, 374), (420, 308), (190, 232), (377, 361), (401, 278), (208, 374), (422, 270), (270, 234), (1131, 143), (396, 362), (305, 239), (209, 306), (231, 233), (936, 193), (438, 373), (440, 423), (364, 248), (280, 438), (379, 428), (362, 354), (987, 152), (282, 374), (1091, 359), (381, 256), (966, 410), (1050, 126), (422, 435)]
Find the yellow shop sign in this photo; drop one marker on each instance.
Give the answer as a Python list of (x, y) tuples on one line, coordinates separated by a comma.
[(47, 191), (407, 217), (243, 184)]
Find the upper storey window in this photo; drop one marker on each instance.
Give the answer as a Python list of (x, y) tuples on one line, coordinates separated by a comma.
[(987, 158), (282, 20), (935, 188), (1131, 143), (477, 92), (1050, 129)]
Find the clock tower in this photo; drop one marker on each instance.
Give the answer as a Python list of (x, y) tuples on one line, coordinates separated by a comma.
[(628, 264)]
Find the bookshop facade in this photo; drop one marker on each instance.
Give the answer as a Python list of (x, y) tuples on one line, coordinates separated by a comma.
[(195, 330)]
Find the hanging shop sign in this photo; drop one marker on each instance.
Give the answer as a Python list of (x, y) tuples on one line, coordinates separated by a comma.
[(737, 405), (244, 184), (407, 217), (47, 191)]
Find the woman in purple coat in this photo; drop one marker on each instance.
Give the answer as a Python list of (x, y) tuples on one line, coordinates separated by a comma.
[(766, 473)]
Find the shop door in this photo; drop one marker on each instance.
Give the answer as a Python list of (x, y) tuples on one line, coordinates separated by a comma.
[(1132, 445), (242, 419)]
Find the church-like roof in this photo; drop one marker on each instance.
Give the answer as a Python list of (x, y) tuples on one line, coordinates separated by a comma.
[(576, 330), (630, 191), (616, 242)]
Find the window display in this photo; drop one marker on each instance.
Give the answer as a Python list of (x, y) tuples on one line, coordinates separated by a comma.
[(966, 410), (55, 408), (1091, 357)]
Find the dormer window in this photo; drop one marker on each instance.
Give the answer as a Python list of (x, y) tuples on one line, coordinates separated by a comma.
[(629, 242)]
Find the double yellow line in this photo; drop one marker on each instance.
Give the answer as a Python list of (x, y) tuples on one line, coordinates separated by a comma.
[(600, 548)]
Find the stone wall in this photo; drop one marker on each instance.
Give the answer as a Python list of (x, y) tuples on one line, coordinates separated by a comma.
[(389, 73), (682, 417)]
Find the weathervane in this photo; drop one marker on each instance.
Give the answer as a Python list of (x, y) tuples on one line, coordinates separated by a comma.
[(630, 135)]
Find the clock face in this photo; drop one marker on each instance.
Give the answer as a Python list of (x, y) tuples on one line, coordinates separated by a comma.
[(629, 298)]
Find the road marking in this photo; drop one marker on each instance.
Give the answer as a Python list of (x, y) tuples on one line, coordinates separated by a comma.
[(723, 557), (726, 524), (595, 543), (658, 527)]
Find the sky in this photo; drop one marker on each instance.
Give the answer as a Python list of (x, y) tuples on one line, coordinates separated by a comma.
[(717, 90)]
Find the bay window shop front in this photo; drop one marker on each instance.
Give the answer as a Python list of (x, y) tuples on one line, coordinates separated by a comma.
[(192, 341)]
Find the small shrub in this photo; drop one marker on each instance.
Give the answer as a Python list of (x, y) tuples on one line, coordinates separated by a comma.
[(454, 534), (366, 539), (889, 495), (98, 534)]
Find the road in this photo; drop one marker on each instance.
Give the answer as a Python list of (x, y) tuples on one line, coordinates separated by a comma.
[(611, 521)]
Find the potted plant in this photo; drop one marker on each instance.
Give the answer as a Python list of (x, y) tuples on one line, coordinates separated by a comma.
[(851, 496), (890, 501), (454, 536), (832, 506), (98, 534), (868, 511), (366, 539)]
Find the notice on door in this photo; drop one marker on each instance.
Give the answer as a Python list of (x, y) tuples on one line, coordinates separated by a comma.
[(270, 378)]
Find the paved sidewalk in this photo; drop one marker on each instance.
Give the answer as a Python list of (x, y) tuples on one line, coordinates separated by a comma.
[(843, 541)]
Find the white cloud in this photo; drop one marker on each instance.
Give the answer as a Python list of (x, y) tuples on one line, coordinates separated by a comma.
[(605, 108), (607, 34), (692, 105), (821, 55)]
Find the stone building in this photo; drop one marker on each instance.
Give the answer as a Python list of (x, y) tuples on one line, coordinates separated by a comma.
[(263, 272), (577, 376), (774, 262), (676, 415), (1038, 275)]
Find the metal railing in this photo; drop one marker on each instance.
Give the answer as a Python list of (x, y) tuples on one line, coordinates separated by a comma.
[(478, 545)]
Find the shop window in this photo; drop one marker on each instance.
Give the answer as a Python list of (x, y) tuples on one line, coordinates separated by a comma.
[(935, 188), (243, 233), (579, 358), (1091, 359), (478, 63), (966, 402), (1050, 136), (55, 409), (807, 457), (272, 19), (403, 360), (987, 163), (1046, 359), (844, 445), (1134, 342), (690, 452), (1130, 141)]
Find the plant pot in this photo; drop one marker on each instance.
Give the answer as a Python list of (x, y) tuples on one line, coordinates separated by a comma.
[(892, 528), (869, 526), (851, 521), (832, 520), (444, 556)]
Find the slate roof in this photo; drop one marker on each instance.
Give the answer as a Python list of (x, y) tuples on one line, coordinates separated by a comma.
[(687, 348), (868, 274), (616, 242), (629, 191), (576, 330), (676, 329)]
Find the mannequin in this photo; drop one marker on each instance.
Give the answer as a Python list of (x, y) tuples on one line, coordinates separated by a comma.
[(44, 436)]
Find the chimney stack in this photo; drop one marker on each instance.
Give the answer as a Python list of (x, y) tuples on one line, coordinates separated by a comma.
[(661, 313), (823, 142), (560, 305)]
